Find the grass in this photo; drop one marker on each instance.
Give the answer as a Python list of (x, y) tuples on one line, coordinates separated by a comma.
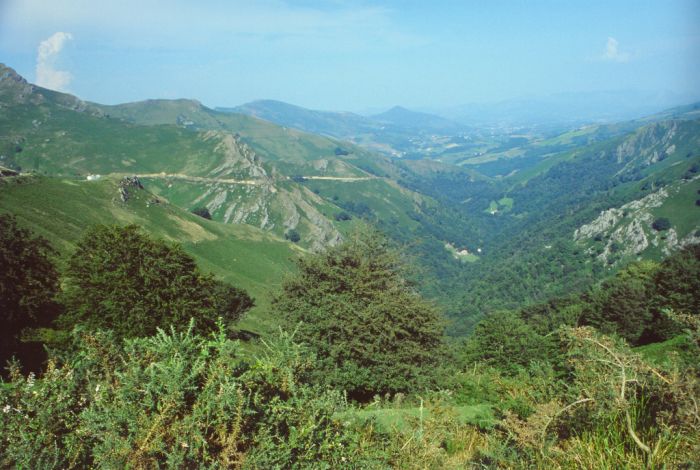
[(149, 138), (60, 210), (680, 208), (272, 142), (389, 419), (505, 204), (661, 353), (465, 258)]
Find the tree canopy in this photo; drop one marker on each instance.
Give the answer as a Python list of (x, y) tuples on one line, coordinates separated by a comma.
[(371, 332), (28, 283), (121, 279), (202, 212)]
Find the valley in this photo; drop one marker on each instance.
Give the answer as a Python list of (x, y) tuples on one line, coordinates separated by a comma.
[(527, 198)]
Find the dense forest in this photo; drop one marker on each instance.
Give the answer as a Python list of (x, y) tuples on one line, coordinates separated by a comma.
[(145, 367)]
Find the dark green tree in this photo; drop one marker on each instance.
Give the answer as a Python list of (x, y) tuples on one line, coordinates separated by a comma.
[(372, 333), (677, 281), (621, 305), (202, 212), (120, 279), (661, 224), (28, 285), (293, 236), (506, 342)]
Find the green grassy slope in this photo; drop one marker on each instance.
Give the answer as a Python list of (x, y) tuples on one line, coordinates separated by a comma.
[(60, 209), (289, 147), (193, 156), (537, 153)]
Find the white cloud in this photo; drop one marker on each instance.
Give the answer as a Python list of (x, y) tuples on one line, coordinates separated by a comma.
[(613, 53), (47, 75)]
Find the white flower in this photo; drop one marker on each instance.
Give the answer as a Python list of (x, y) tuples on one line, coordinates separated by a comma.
[(6, 409)]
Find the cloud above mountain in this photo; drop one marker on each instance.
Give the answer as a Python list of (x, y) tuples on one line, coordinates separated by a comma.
[(613, 53), (47, 75)]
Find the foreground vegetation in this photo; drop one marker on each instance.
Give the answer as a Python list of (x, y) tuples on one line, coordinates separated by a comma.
[(359, 377)]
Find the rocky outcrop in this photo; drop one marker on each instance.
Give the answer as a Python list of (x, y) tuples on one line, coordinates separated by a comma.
[(126, 184), (649, 145), (238, 160), (265, 201), (627, 231), (624, 231)]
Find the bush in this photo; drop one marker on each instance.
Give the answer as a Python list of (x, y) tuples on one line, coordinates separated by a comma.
[(292, 235), (661, 224), (202, 212), (620, 305), (175, 400), (505, 341)]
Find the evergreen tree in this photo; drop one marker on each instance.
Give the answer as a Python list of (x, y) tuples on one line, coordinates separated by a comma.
[(372, 333), (121, 279)]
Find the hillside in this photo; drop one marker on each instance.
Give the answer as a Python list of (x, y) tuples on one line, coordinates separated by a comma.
[(523, 227), (61, 209), (525, 150), (242, 169)]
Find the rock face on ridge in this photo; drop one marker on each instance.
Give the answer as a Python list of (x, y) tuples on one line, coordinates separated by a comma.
[(241, 189), (627, 231)]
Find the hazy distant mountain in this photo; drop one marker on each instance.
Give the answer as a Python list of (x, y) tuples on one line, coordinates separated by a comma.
[(401, 117), (565, 109), (397, 132), (334, 124)]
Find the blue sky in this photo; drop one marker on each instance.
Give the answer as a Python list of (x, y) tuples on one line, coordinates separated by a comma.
[(351, 55)]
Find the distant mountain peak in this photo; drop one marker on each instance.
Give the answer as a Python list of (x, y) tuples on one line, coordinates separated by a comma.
[(406, 118), (399, 108)]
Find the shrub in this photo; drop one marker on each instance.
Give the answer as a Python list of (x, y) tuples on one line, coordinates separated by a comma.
[(661, 224), (292, 235), (505, 341), (202, 212), (175, 400)]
